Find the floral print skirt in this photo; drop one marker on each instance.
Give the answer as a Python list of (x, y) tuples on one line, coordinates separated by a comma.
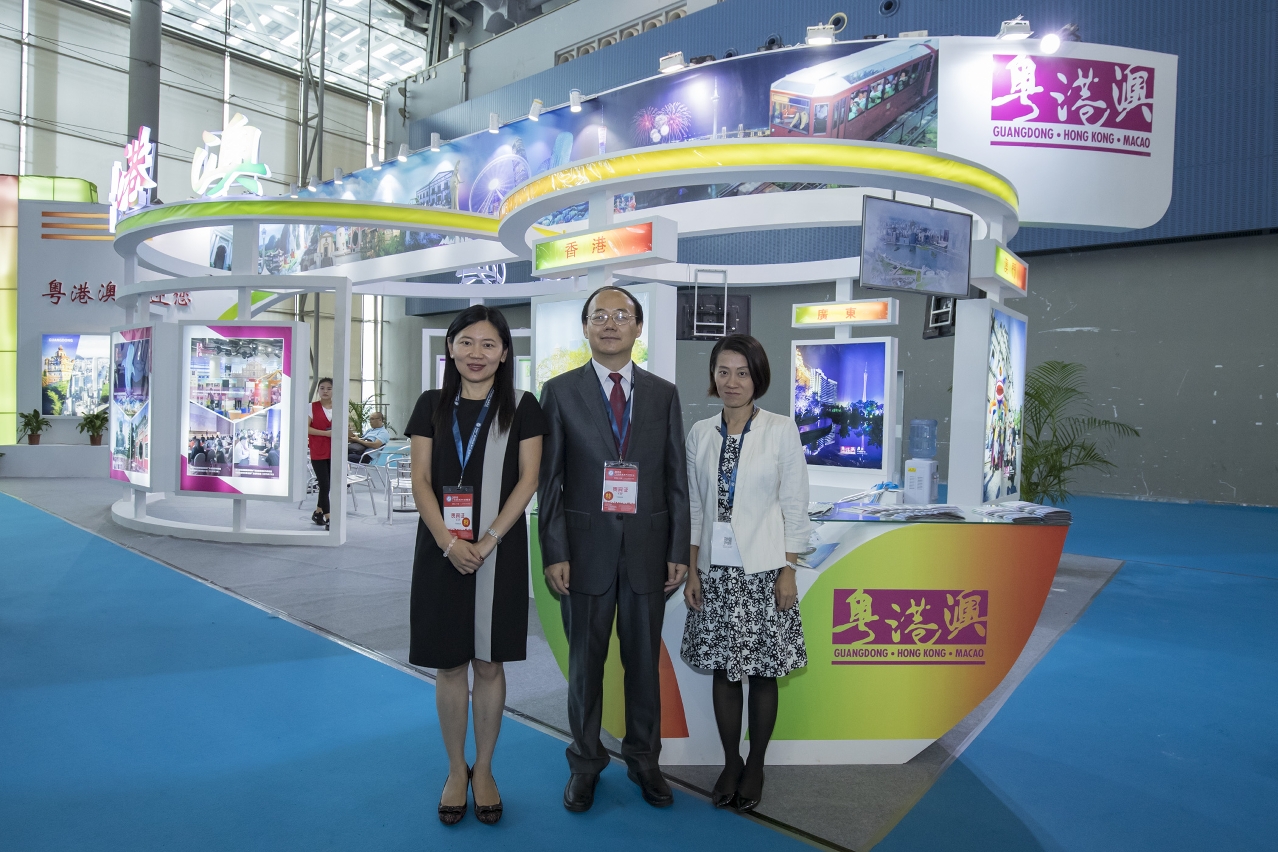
[(740, 629)]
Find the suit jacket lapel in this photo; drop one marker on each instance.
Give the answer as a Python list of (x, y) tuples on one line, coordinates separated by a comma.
[(589, 389)]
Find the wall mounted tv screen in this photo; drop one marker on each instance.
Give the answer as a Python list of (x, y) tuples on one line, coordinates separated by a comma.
[(907, 247)]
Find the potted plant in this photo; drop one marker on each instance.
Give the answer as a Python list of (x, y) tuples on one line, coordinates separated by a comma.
[(95, 424), (31, 425), (1058, 430)]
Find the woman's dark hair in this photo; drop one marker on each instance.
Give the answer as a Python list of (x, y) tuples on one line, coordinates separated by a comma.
[(585, 309), (756, 360), (327, 379), (503, 381)]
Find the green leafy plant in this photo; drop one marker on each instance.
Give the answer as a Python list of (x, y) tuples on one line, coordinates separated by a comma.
[(1059, 430), (32, 424), (95, 423), (359, 412)]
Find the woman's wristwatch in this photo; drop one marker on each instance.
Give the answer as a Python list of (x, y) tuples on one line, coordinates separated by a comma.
[(492, 532), (791, 565)]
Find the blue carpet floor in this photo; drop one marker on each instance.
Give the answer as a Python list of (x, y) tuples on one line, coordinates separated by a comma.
[(1152, 724), (142, 710)]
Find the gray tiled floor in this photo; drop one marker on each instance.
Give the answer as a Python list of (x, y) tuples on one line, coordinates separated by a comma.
[(359, 592)]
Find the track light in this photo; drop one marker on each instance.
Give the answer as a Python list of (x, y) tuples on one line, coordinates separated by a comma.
[(534, 111), (337, 176), (1015, 29), (671, 63), (820, 34), (574, 101), (292, 190), (494, 122), (434, 142), (1050, 43), (312, 187), (403, 152)]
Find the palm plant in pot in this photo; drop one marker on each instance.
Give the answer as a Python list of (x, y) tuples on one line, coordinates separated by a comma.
[(32, 425), (95, 423), (1060, 432)]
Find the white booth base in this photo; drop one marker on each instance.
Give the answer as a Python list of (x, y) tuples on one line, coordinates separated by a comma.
[(55, 460), (123, 513)]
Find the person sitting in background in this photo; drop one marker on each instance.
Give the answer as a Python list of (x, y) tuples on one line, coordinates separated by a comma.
[(375, 437)]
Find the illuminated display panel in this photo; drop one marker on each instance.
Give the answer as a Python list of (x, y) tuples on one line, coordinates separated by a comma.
[(598, 247), (859, 312), (1010, 268), (130, 434)]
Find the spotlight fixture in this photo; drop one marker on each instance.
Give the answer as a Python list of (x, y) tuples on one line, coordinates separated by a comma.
[(1069, 32), (671, 62), (434, 142), (312, 187), (574, 101), (1017, 28), (292, 190), (534, 111), (494, 122), (820, 34), (1050, 43), (403, 152), (337, 176), (377, 168)]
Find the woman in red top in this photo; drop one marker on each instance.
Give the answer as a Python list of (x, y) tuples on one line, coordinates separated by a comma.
[(320, 430)]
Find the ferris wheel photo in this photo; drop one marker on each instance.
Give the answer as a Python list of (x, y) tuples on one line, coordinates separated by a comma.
[(496, 180)]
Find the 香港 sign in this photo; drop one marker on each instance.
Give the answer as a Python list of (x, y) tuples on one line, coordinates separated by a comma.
[(859, 312), (213, 173), (653, 241), (131, 181)]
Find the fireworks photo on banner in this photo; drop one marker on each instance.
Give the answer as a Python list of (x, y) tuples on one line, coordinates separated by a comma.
[(839, 398), (1004, 396)]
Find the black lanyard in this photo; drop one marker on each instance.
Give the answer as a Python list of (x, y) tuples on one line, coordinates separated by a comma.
[(723, 450), (464, 457)]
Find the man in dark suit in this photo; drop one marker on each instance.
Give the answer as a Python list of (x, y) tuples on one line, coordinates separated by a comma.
[(610, 550)]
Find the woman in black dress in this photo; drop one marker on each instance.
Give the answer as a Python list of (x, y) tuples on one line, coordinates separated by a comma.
[(476, 450)]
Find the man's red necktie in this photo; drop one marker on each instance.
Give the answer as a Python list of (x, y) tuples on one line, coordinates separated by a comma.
[(617, 399)]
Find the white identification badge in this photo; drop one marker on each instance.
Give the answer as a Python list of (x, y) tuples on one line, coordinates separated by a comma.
[(621, 488), (459, 512), (723, 548)]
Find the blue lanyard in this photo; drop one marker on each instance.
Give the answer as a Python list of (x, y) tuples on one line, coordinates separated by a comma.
[(723, 450), (474, 433), (622, 438)]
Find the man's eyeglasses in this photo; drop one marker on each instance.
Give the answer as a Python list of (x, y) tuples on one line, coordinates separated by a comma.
[(619, 317)]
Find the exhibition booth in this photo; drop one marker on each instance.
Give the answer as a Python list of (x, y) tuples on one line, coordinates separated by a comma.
[(937, 149)]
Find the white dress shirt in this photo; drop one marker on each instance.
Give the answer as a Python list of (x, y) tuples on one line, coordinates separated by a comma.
[(627, 377)]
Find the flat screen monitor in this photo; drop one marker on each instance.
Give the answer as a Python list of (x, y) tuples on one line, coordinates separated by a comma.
[(915, 249)]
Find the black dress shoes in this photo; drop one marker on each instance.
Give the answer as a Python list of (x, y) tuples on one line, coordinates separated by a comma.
[(579, 794), (656, 791)]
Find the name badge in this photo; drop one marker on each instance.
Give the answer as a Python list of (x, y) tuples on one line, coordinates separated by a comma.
[(621, 488), (459, 511), (723, 547)]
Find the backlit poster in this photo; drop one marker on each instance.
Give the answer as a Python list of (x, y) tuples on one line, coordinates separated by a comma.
[(1004, 396), (74, 374), (560, 346), (236, 415), (839, 396), (130, 434)]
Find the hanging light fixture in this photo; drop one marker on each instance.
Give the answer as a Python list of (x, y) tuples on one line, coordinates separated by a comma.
[(1015, 29), (403, 152), (337, 176), (671, 63), (574, 101), (434, 142), (534, 111), (494, 122), (292, 190), (820, 34)]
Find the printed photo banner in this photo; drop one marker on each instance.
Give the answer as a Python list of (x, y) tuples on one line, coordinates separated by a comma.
[(237, 417), (130, 423)]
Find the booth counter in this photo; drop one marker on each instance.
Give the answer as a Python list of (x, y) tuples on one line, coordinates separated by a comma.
[(908, 626)]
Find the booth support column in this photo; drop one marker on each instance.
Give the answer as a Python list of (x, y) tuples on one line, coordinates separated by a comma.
[(139, 503), (600, 217)]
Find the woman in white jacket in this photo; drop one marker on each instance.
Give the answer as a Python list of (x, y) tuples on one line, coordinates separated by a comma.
[(748, 489)]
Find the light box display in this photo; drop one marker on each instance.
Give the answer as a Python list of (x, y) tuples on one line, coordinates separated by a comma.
[(74, 374), (915, 249), (131, 379), (839, 397), (1004, 397), (237, 419)]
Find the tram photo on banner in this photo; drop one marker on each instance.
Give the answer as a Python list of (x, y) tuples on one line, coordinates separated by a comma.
[(236, 414)]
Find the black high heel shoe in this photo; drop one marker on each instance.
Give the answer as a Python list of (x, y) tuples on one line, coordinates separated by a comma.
[(452, 814), (489, 814), (725, 789), (748, 801), (317, 518)]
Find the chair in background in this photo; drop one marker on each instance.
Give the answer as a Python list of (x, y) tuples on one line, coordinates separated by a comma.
[(312, 482), (399, 483), (376, 460), (357, 475)]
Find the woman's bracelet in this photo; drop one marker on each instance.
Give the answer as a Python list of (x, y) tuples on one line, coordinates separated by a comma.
[(450, 546)]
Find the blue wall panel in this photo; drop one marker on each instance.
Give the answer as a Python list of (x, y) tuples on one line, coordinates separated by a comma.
[(1226, 178)]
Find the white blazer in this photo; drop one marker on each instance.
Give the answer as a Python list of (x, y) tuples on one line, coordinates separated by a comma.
[(770, 511)]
